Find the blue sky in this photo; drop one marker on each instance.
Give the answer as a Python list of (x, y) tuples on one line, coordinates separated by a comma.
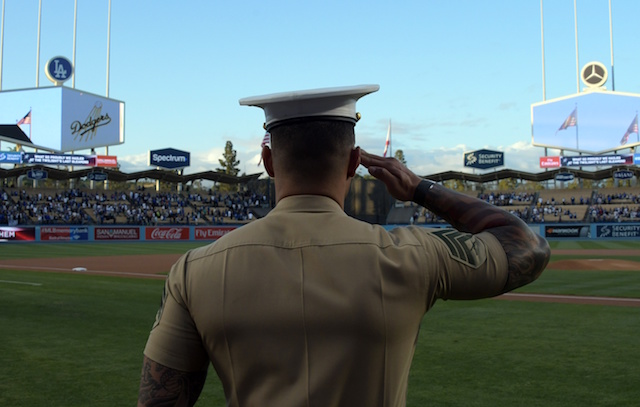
[(454, 76)]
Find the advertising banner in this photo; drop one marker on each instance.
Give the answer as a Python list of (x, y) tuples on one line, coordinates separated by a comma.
[(10, 157), (116, 233), (64, 233), (590, 160), (97, 176), (623, 174), (58, 159), (484, 159), (106, 161), (618, 230), (9, 233), (212, 232), (565, 176), (550, 162), (167, 233), (37, 174), (568, 231), (169, 158)]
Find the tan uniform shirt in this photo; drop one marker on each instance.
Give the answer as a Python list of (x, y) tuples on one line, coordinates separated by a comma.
[(310, 307)]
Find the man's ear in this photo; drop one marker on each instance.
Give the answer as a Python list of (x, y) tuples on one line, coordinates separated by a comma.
[(268, 162), (354, 162)]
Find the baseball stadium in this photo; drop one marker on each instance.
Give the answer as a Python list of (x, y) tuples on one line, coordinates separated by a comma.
[(85, 249)]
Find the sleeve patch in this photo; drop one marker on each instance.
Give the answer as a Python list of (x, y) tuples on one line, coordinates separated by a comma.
[(463, 247)]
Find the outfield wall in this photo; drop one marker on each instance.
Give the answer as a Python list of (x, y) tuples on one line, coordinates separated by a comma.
[(63, 233)]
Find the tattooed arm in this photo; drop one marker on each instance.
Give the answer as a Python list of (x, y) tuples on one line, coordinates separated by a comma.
[(527, 252), (163, 386)]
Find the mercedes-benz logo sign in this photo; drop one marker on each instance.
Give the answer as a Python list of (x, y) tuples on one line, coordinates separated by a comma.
[(594, 74)]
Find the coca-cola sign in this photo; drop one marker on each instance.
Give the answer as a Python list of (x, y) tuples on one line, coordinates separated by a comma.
[(167, 233), (212, 232)]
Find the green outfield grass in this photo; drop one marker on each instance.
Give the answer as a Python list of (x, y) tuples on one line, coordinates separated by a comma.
[(77, 339)]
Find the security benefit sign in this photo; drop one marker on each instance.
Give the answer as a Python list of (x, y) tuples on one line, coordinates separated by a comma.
[(10, 157), (484, 159), (169, 158), (617, 231)]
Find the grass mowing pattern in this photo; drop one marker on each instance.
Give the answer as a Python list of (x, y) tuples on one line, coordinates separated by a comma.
[(486, 353), (77, 340)]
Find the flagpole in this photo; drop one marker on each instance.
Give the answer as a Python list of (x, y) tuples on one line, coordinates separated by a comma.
[(544, 89), (108, 47), (1, 44), (75, 24), (38, 47), (390, 142), (575, 17), (577, 144), (613, 83)]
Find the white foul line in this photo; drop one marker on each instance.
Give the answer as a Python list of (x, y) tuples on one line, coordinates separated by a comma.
[(573, 297), (119, 273), (20, 282)]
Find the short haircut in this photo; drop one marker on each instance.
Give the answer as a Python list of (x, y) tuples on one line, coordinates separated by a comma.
[(313, 149)]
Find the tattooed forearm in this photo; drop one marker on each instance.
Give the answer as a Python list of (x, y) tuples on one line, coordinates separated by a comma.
[(463, 212), (163, 386), (527, 252)]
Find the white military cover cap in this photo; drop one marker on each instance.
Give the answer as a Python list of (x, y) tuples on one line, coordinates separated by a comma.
[(337, 103)]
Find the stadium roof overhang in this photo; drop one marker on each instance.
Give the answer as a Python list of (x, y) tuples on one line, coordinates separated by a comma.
[(527, 176), (118, 176)]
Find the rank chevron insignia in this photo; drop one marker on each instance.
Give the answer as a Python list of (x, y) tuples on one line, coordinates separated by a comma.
[(463, 247)]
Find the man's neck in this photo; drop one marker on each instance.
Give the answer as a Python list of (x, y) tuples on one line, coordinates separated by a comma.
[(334, 191)]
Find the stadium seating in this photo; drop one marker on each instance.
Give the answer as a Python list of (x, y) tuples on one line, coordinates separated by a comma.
[(42, 206)]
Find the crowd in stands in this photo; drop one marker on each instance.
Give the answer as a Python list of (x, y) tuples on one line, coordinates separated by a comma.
[(532, 208), (77, 207), (616, 207), (85, 207)]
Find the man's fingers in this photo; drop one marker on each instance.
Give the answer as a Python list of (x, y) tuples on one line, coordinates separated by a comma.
[(367, 160)]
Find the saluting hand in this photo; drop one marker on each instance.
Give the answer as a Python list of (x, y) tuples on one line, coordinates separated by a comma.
[(400, 181)]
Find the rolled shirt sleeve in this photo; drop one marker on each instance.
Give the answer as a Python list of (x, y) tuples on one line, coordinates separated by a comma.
[(174, 340)]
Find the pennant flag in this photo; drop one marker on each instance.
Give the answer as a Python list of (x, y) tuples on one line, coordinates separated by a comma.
[(265, 141), (386, 144), (633, 128), (26, 119), (572, 120)]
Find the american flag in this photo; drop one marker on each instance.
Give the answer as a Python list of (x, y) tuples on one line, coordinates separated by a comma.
[(633, 128), (572, 120), (266, 139), (26, 119)]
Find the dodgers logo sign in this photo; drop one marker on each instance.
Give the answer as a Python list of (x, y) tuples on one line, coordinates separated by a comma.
[(58, 70)]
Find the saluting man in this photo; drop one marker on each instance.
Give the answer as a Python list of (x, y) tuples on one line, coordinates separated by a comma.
[(310, 307)]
